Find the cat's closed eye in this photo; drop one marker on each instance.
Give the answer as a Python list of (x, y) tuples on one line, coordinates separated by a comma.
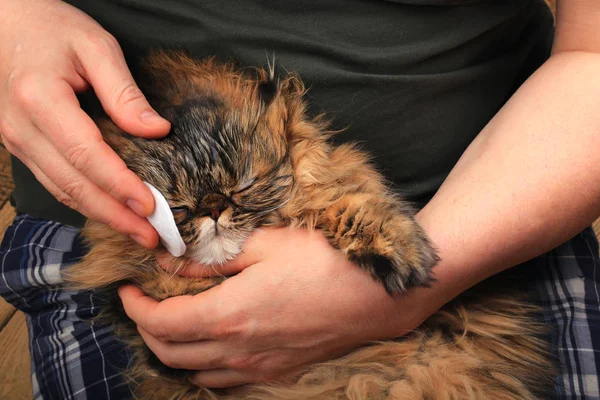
[(245, 185), (180, 214)]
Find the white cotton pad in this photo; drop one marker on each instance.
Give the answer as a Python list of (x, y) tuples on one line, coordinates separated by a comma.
[(162, 220)]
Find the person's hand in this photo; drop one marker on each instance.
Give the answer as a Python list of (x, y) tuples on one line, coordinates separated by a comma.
[(49, 50), (299, 302)]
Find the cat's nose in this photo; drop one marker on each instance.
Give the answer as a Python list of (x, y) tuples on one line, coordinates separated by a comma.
[(214, 204)]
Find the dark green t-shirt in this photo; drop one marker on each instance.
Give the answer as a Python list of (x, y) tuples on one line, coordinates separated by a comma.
[(413, 81)]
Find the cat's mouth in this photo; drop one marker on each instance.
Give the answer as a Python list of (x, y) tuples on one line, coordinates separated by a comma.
[(216, 240), (213, 206)]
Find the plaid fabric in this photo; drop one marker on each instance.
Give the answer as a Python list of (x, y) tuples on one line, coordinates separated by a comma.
[(567, 279), (72, 358)]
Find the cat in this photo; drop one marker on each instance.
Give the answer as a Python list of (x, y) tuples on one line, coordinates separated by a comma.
[(243, 153)]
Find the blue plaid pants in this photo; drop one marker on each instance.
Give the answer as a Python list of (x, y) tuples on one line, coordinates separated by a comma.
[(74, 358)]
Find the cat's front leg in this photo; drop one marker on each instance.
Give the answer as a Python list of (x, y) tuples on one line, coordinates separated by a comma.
[(381, 237)]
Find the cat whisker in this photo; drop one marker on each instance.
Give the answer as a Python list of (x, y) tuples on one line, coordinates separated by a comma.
[(172, 274), (179, 268)]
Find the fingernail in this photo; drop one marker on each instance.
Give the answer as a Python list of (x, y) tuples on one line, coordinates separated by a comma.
[(137, 208), (150, 117), (139, 239)]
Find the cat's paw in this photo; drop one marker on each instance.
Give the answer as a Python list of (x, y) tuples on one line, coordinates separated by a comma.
[(399, 267), (381, 238)]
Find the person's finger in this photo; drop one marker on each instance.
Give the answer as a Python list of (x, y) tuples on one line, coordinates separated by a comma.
[(197, 355), (223, 378), (169, 320), (73, 189), (77, 138), (254, 250), (104, 67), (192, 269)]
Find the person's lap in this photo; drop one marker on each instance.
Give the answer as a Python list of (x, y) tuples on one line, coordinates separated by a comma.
[(567, 281), (73, 358)]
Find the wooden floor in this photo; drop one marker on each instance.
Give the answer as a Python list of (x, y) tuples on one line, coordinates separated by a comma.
[(15, 383)]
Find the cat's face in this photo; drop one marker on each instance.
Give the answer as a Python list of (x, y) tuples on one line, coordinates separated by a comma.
[(222, 170)]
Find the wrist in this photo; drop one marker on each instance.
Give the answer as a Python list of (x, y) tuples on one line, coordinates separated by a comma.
[(396, 315), (403, 313)]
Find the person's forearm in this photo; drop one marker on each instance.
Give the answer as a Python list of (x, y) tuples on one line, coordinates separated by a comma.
[(530, 180)]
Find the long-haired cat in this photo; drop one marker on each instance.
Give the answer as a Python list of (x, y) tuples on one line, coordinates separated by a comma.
[(243, 153)]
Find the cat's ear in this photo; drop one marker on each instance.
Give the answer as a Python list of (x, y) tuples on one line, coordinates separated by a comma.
[(272, 83), (283, 90), (163, 74), (169, 77), (288, 115), (292, 89), (267, 91), (268, 86)]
